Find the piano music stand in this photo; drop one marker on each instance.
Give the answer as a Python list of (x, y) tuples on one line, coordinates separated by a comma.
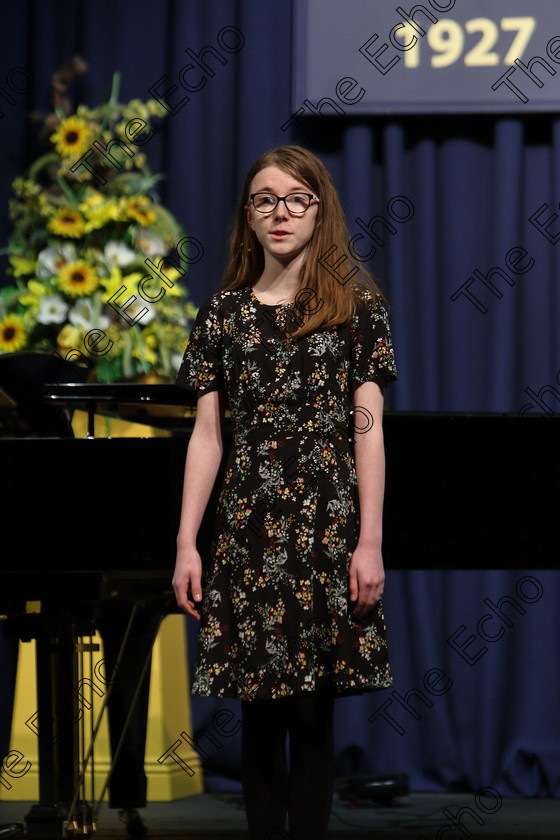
[(23, 376), (162, 406)]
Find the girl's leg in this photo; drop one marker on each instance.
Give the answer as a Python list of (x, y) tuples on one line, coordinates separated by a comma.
[(311, 783), (263, 767)]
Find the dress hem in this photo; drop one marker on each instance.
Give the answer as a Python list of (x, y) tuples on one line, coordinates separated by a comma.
[(334, 690)]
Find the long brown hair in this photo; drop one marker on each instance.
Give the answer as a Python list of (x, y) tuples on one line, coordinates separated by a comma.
[(330, 237)]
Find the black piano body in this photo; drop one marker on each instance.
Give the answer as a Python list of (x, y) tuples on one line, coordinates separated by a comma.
[(462, 492)]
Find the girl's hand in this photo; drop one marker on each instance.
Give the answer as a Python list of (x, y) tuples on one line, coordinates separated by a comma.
[(367, 578), (188, 572)]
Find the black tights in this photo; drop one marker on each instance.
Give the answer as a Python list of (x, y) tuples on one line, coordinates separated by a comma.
[(306, 793)]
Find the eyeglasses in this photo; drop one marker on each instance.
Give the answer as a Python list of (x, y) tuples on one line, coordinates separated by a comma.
[(296, 203)]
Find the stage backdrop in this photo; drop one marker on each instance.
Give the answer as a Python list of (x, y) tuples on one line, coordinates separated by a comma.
[(457, 215)]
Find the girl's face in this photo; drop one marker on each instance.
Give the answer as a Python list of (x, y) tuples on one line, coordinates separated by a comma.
[(282, 235)]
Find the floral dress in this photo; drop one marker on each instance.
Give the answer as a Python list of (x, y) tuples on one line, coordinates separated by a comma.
[(276, 617)]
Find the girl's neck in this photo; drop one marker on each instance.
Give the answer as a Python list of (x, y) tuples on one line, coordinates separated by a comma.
[(280, 280)]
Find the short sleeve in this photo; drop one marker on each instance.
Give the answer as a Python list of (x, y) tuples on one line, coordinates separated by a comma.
[(372, 357), (201, 369)]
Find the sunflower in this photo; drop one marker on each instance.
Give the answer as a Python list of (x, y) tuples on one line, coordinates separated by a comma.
[(67, 222), (12, 334), (77, 279), (139, 208), (72, 137)]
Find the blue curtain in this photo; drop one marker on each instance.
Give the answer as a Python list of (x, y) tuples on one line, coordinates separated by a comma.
[(475, 312)]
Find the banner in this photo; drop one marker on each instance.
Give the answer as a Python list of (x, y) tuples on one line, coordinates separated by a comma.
[(376, 56)]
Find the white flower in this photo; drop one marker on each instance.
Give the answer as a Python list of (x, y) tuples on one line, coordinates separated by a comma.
[(52, 309), (136, 308), (81, 315), (117, 253), (50, 260), (150, 243)]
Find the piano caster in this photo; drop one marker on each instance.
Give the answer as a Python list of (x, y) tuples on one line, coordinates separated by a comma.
[(81, 822), (73, 829)]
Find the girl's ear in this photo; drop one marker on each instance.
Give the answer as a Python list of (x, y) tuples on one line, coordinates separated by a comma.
[(249, 219)]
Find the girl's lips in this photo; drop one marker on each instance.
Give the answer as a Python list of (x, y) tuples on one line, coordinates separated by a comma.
[(279, 234)]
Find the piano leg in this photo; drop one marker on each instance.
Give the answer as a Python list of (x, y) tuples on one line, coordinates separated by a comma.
[(58, 714)]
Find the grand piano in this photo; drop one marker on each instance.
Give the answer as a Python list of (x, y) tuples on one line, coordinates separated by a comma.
[(96, 518)]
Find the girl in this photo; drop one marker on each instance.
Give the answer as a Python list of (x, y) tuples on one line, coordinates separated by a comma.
[(296, 344)]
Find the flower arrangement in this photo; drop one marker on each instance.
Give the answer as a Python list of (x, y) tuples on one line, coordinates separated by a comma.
[(81, 233)]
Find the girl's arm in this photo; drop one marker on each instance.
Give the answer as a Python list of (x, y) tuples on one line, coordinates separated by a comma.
[(204, 455), (367, 575)]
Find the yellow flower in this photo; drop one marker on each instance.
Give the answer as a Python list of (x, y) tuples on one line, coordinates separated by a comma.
[(100, 214), (21, 266), (149, 355), (190, 310), (67, 222), (81, 175), (156, 108), (35, 291), (24, 188), (176, 289), (77, 279), (44, 206), (72, 138), (83, 111), (12, 334), (37, 288), (93, 199), (69, 336), (139, 208), (113, 283), (115, 334), (173, 275), (137, 108)]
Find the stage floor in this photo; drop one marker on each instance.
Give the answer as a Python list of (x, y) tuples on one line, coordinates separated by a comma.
[(418, 816)]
